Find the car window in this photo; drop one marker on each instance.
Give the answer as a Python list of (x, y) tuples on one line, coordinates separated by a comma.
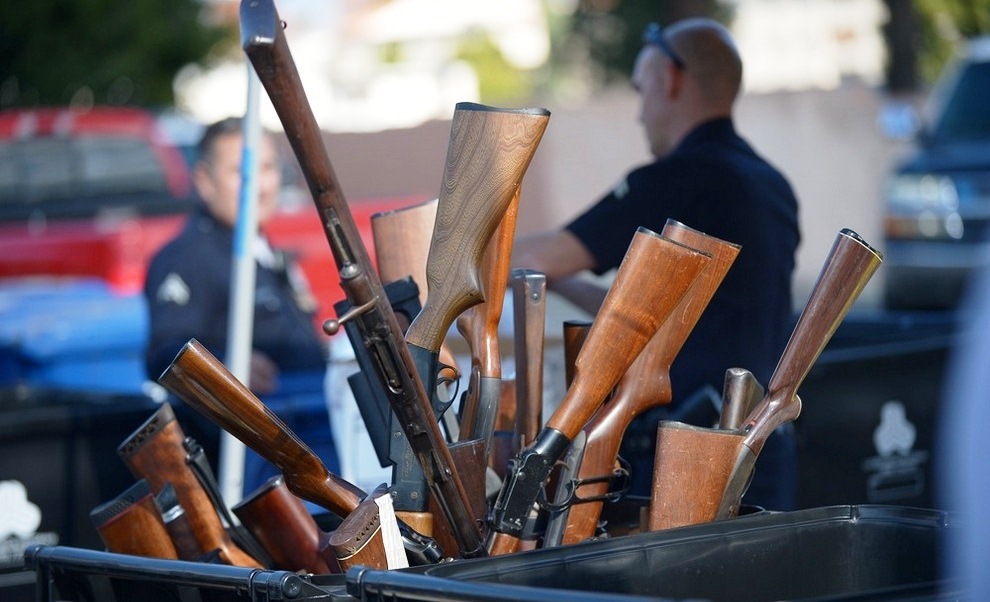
[(50, 169), (967, 110)]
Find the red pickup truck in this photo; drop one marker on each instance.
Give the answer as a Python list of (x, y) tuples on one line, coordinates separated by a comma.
[(95, 193)]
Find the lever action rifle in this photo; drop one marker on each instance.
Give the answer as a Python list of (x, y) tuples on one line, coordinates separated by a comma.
[(645, 385), (264, 43), (653, 277)]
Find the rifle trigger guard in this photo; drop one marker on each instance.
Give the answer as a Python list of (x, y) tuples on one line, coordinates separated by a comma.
[(332, 326), (618, 481), (447, 376)]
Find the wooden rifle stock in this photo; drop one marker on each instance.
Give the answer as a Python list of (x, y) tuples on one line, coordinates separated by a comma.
[(850, 264), (358, 540), (281, 523), (203, 382), (487, 157), (402, 246), (654, 275), (641, 299), (700, 474), (645, 385), (132, 524), (479, 327), (155, 452), (264, 43)]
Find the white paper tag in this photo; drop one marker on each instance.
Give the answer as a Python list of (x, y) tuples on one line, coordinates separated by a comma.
[(395, 552)]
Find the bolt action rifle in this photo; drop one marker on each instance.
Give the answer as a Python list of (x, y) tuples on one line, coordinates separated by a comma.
[(476, 132)]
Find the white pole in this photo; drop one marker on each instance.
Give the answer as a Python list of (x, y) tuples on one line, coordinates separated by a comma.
[(240, 324)]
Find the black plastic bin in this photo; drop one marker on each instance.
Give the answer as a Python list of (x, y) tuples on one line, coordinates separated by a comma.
[(65, 573), (845, 553), (870, 408), (833, 553), (58, 461)]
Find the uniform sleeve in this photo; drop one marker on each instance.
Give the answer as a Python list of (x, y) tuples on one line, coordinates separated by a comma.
[(642, 198), (185, 300)]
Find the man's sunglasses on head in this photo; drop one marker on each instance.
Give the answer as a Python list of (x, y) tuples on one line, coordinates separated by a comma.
[(653, 35)]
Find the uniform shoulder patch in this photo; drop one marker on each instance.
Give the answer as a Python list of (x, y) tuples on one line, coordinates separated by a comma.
[(621, 189), (173, 289)]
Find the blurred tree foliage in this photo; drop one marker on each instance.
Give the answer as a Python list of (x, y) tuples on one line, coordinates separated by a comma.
[(602, 37), (58, 52), (943, 24)]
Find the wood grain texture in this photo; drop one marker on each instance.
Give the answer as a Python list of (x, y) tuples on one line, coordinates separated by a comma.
[(479, 324), (402, 242), (487, 157), (655, 274), (849, 266), (284, 527), (134, 525), (402, 246), (155, 452), (202, 381), (692, 468), (646, 384), (358, 539)]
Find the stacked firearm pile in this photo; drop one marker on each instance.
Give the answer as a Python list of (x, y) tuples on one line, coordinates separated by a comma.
[(497, 478)]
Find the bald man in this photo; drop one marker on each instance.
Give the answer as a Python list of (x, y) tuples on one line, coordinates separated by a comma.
[(706, 176)]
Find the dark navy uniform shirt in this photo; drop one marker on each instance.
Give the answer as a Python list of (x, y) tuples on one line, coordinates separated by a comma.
[(188, 293), (716, 183)]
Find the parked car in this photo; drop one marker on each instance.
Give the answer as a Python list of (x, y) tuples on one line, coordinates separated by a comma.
[(937, 204), (96, 193)]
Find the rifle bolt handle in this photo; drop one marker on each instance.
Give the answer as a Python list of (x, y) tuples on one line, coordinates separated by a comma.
[(332, 326)]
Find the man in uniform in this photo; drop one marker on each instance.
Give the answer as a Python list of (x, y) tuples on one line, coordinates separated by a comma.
[(188, 293), (709, 178)]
